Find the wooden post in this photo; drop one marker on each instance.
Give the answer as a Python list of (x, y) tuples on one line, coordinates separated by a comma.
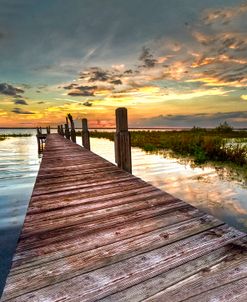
[(58, 129), (66, 130), (62, 131), (122, 141), (38, 140), (85, 134), (73, 134), (48, 130), (39, 147)]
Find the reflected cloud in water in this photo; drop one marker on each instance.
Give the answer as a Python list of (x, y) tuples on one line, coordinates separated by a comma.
[(19, 164), (211, 189)]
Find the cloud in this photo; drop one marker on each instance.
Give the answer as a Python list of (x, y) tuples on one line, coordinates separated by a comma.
[(26, 86), (118, 67), (115, 79), (111, 75), (20, 102), (20, 111), (221, 61), (105, 81), (70, 86), (8, 89), (81, 90), (98, 74), (202, 61), (88, 104), (116, 82), (220, 48), (81, 93), (147, 58), (225, 15), (228, 73), (86, 88), (237, 119)]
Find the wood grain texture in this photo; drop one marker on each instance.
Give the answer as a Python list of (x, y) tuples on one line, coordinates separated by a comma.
[(96, 233)]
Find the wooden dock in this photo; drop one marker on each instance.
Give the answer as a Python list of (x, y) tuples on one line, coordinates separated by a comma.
[(94, 232), (41, 138)]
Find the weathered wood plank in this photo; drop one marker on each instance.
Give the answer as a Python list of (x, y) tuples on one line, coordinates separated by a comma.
[(232, 269), (105, 222), (232, 292), (112, 278), (112, 195), (80, 185), (68, 168), (74, 242), (151, 286), (90, 227), (148, 264), (93, 231), (70, 194), (47, 225), (74, 173), (68, 267), (86, 189), (150, 200), (63, 179)]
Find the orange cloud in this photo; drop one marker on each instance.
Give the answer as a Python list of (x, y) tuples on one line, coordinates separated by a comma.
[(224, 15)]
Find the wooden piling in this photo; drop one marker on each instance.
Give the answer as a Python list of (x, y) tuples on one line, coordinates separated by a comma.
[(48, 130), (41, 138), (85, 134), (122, 141), (72, 132), (62, 131), (38, 140), (66, 130)]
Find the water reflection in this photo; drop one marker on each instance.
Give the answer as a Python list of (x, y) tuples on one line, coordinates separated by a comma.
[(19, 164), (207, 188)]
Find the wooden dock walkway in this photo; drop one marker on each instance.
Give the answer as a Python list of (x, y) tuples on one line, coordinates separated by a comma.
[(94, 232)]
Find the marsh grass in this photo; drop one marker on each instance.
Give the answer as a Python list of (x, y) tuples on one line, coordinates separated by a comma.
[(200, 144), (5, 136)]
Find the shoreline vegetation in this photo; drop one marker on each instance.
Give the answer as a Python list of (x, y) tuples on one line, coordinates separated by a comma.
[(221, 146), (5, 136)]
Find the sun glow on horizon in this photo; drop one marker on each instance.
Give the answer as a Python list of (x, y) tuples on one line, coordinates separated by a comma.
[(196, 67)]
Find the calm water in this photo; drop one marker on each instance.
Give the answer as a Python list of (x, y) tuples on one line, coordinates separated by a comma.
[(19, 164), (209, 189)]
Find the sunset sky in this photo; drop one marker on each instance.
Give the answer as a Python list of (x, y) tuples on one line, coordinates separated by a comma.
[(170, 62)]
